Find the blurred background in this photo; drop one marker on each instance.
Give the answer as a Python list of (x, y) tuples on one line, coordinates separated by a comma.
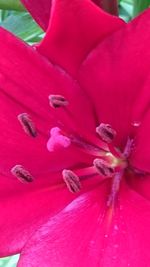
[(14, 18)]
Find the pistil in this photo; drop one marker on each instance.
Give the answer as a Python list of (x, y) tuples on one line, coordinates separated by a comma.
[(118, 176)]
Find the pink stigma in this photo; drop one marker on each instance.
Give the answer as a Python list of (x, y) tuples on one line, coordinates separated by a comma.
[(57, 140)]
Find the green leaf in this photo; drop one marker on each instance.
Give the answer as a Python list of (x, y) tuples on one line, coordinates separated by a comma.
[(140, 5), (22, 25), (11, 5), (9, 261), (126, 10)]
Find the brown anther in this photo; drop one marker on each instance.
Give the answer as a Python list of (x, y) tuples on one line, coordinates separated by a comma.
[(57, 101), (22, 174), (103, 168), (106, 132), (27, 124), (72, 181)]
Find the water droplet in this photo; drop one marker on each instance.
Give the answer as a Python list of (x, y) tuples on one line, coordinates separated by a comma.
[(106, 236)]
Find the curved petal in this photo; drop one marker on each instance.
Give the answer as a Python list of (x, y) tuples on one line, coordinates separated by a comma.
[(26, 80), (114, 75), (24, 207), (96, 236), (88, 24), (40, 11)]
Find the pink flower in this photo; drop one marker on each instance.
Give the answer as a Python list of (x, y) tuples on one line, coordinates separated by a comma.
[(93, 71)]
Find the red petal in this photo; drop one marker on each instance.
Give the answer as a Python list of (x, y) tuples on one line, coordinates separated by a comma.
[(140, 157), (140, 183), (114, 74), (40, 10), (24, 207), (26, 80), (75, 28), (83, 234)]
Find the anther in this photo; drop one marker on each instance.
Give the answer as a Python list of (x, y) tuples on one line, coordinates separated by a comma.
[(103, 168), (57, 101), (106, 132), (22, 174), (27, 124), (72, 181)]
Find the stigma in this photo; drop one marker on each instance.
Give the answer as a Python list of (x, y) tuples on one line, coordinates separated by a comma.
[(107, 163)]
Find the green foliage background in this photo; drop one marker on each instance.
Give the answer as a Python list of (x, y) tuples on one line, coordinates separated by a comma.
[(14, 18)]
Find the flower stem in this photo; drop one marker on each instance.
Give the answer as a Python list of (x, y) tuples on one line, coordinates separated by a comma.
[(11, 5)]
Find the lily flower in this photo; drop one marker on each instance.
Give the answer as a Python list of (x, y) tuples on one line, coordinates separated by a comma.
[(32, 187), (74, 141)]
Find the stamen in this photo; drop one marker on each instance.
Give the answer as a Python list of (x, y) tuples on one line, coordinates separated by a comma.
[(72, 181), (27, 124), (118, 176), (57, 101), (106, 132), (22, 174), (115, 188), (57, 140), (103, 168)]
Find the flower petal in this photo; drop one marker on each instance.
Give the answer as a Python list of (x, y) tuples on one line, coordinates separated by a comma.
[(26, 80), (83, 234), (40, 10), (88, 24), (140, 183), (140, 157), (25, 207), (115, 72)]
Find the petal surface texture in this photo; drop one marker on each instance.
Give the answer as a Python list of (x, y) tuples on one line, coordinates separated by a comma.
[(86, 234), (26, 80), (75, 27), (114, 75), (40, 11)]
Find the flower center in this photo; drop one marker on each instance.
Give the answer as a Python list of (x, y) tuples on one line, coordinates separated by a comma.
[(107, 160)]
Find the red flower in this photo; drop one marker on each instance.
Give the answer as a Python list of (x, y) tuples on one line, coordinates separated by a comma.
[(98, 77)]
